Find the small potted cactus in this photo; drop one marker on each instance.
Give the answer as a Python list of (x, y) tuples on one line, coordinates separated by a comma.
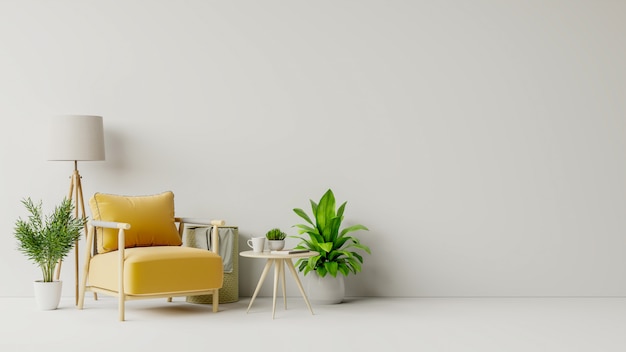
[(275, 239)]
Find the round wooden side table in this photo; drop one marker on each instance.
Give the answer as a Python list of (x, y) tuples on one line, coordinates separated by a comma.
[(279, 261)]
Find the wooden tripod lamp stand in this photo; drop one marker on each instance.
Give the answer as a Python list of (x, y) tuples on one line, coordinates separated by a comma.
[(76, 138)]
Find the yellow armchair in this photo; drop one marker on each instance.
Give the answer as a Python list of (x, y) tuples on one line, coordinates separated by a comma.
[(137, 253)]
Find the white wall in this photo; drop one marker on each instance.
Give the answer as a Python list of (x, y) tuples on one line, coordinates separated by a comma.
[(481, 142)]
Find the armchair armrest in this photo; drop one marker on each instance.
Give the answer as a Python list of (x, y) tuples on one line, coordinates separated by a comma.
[(201, 221), (121, 226), (215, 224), (110, 224)]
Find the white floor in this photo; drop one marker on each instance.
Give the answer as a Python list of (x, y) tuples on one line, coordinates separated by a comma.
[(359, 324)]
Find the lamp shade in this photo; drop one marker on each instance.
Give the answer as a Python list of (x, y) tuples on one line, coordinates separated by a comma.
[(76, 137)]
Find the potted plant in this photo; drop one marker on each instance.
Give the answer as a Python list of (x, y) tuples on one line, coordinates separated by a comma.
[(275, 239), (337, 250), (46, 240)]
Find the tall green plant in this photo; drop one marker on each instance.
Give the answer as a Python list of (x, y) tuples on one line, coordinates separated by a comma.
[(325, 235), (47, 239)]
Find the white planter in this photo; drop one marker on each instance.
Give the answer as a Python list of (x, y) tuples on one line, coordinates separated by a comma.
[(48, 294), (325, 290), (276, 245)]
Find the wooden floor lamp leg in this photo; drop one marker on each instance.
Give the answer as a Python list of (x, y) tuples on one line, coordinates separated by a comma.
[(76, 194), (80, 202), (57, 274)]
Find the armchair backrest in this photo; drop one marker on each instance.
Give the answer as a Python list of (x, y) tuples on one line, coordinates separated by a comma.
[(151, 218)]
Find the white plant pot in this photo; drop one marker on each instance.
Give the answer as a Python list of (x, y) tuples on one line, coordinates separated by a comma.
[(48, 294), (325, 290), (276, 245)]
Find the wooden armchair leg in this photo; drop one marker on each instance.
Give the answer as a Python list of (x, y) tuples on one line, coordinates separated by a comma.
[(81, 296), (216, 300), (121, 306), (121, 311)]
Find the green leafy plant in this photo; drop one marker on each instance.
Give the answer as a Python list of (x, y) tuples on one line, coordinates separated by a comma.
[(275, 235), (47, 239), (325, 236)]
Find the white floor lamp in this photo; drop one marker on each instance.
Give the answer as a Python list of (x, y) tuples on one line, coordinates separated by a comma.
[(76, 138)]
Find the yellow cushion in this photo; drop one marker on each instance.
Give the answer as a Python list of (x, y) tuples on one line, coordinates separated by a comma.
[(159, 269), (151, 220)]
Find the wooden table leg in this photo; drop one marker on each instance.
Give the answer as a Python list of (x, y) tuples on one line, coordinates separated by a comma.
[(277, 267), (268, 265), (295, 276), (282, 278)]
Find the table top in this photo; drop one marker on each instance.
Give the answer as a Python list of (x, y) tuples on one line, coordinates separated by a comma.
[(269, 255)]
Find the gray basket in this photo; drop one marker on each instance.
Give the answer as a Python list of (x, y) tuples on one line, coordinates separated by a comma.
[(196, 236)]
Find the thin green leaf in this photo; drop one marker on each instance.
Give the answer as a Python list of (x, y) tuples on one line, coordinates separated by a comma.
[(343, 268), (356, 266), (305, 229), (303, 215), (353, 228), (339, 242), (321, 271), (360, 246), (331, 267), (325, 212), (326, 247)]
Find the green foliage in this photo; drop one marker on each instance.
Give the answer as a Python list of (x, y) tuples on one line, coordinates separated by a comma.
[(275, 234), (325, 236), (47, 239)]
